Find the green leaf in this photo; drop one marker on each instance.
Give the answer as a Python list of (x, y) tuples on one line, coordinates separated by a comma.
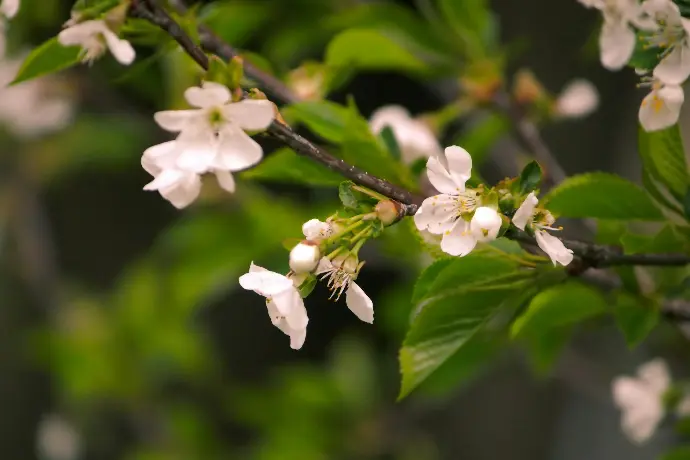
[(545, 348), (325, 118), (446, 323), (480, 137), (284, 165), (48, 58), (635, 317), (678, 453), (558, 306), (388, 138), (371, 49), (663, 152), (471, 21), (530, 177), (603, 196)]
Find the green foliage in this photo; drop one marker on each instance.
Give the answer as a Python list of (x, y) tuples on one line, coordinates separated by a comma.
[(284, 165), (325, 118), (472, 22), (678, 453), (530, 178), (603, 196), (545, 348), (48, 58), (663, 156), (392, 146), (480, 137), (636, 317)]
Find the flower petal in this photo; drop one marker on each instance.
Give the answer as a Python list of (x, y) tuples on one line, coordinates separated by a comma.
[(225, 180), (524, 214), (655, 375), (209, 95), (121, 49), (674, 68), (236, 150), (578, 99), (459, 165), (616, 42), (315, 230), (184, 192), (82, 32), (661, 108), (159, 156), (197, 150), (459, 241), (250, 114), (440, 178), (266, 283), (291, 305), (177, 120), (359, 303), (437, 214), (9, 8), (554, 248), (389, 115)]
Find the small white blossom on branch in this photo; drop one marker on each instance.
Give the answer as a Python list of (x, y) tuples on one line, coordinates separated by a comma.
[(414, 137), (672, 36), (661, 107), (315, 230), (540, 220), (341, 274), (578, 99), (9, 8), (283, 301), (94, 37)]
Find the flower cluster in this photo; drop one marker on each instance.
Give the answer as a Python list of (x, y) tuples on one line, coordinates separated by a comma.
[(644, 400), (661, 28), (329, 252), (211, 139), (465, 217)]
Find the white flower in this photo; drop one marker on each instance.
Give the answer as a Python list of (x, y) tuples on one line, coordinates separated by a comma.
[(27, 109), (661, 107), (414, 137), (341, 274), (443, 213), (57, 439), (578, 99), (640, 399), (94, 37), (541, 220), (9, 8), (211, 139), (617, 37), (315, 230), (304, 257), (672, 35), (283, 300)]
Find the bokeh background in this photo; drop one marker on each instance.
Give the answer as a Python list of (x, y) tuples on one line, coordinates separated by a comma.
[(123, 331)]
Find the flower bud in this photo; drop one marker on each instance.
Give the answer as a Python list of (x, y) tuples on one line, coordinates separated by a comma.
[(526, 88), (486, 224), (388, 212), (304, 257)]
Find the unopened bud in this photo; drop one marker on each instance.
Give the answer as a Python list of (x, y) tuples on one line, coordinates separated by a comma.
[(304, 257), (526, 88), (235, 71), (388, 212)]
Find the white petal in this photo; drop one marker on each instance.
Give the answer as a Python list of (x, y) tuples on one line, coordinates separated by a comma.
[(674, 68), (656, 375), (290, 304), (578, 99), (524, 214), (437, 214), (485, 224), (249, 114), (554, 248), (617, 42), (459, 165), (184, 192), (197, 150), (121, 49), (324, 266), (440, 178), (9, 8), (627, 392), (166, 178), (236, 150), (297, 338), (159, 156), (177, 120), (661, 108), (359, 303), (253, 268), (389, 115), (415, 138), (639, 425), (266, 283), (80, 33), (459, 241), (225, 180), (315, 230), (209, 95)]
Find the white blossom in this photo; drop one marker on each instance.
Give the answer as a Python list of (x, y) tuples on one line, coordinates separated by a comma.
[(541, 220), (283, 301), (661, 107), (9, 8), (341, 274), (211, 139), (444, 214), (57, 439), (414, 137), (315, 230), (578, 99), (304, 257), (28, 109), (640, 399), (485, 224), (672, 36), (94, 36)]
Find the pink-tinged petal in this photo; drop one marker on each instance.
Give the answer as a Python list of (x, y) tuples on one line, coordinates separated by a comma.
[(459, 241), (459, 165), (359, 303), (523, 215), (79, 33), (121, 49), (655, 375), (177, 120), (225, 180), (297, 338), (236, 150), (209, 95), (249, 114), (266, 283), (9, 8), (616, 42), (256, 268), (674, 68), (554, 248)]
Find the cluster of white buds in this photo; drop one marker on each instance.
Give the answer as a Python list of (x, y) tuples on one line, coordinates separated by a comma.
[(465, 217), (664, 29)]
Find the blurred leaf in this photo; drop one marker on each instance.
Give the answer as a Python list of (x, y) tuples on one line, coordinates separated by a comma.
[(325, 118), (237, 21), (480, 137), (530, 177), (678, 453), (663, 153), (601, 195), (559, 306), (445, 324), (370, 49), (50, 57), (635, 317), (388, 138), (471, 21), (284, 165), (544, 349)]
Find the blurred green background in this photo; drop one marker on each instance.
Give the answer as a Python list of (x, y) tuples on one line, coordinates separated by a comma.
[(124, 334)]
